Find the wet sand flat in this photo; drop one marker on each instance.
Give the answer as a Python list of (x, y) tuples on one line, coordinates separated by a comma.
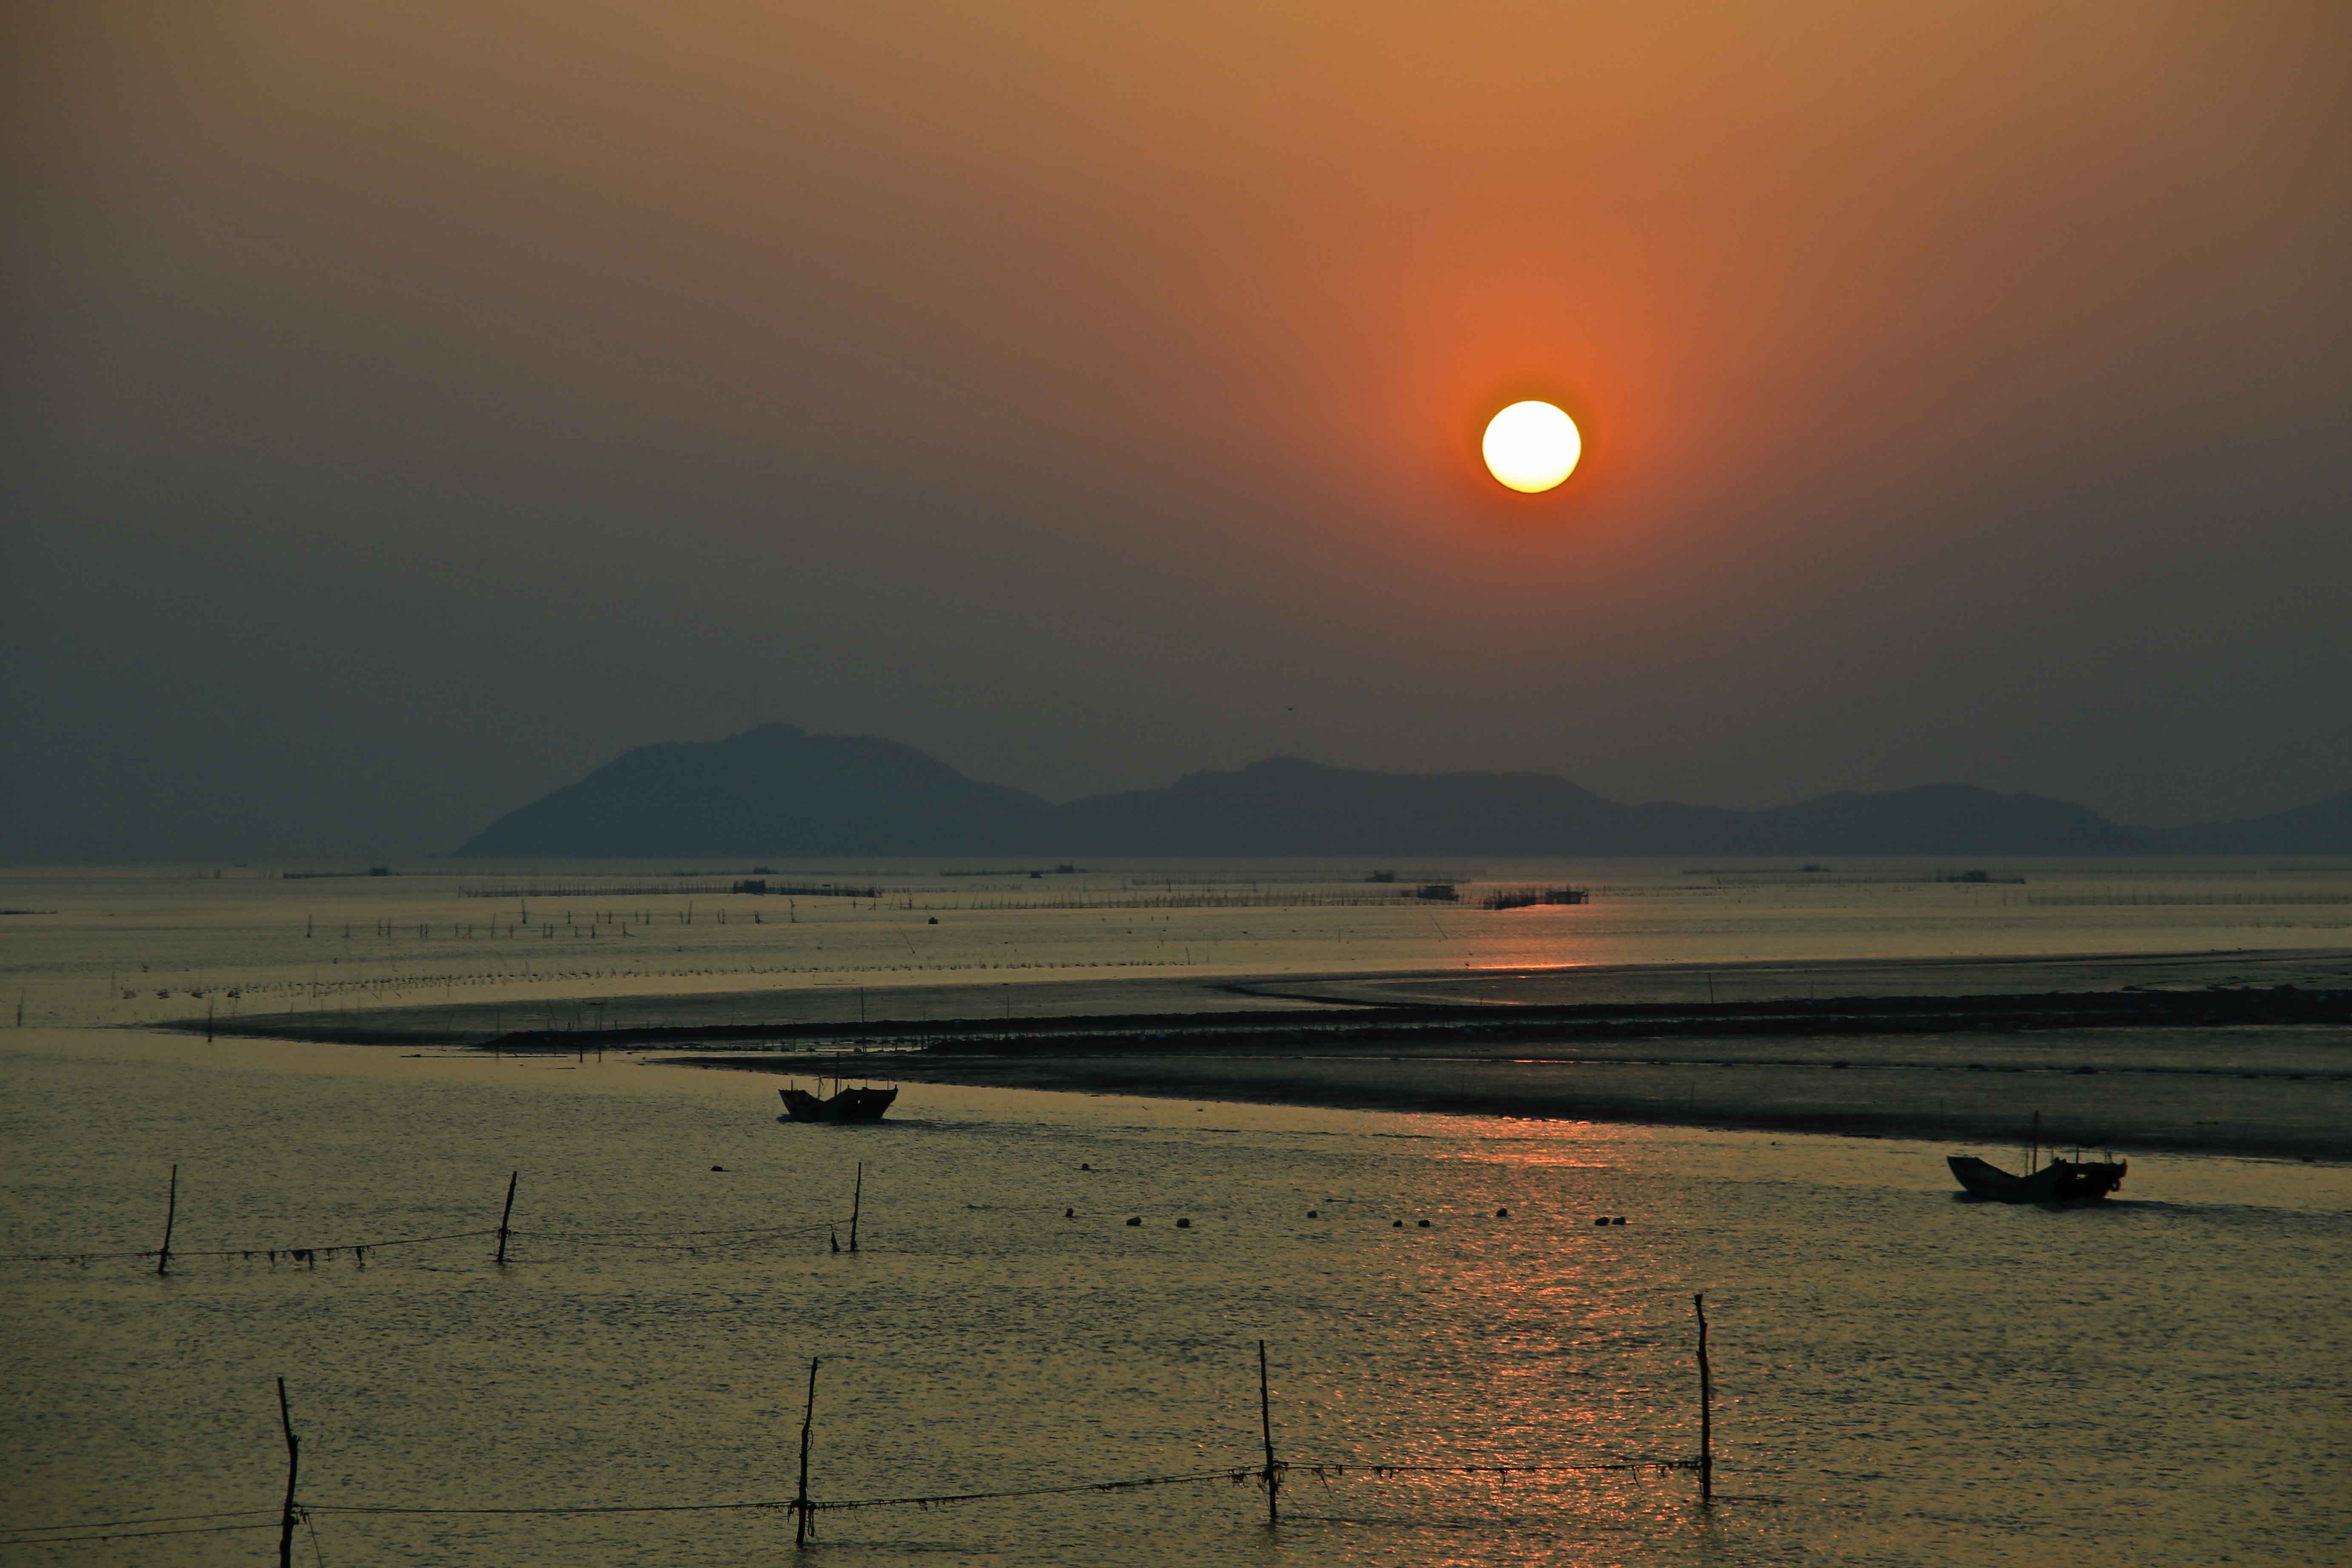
[(2275, 1093), (1639, 984), (2251, 1088), (2262, 1091), (1182, 995)]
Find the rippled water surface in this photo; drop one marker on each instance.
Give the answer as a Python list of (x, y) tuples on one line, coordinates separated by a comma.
[(1902, 1378)]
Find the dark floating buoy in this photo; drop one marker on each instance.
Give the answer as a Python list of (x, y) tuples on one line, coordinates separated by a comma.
[(1314, 1214), (718, 1167), (1183, 1224), (1600, 1219), (1424, 1225), (1069, 1213), (935, 920), (1396, 1224), (1619, 1220), (1084, 1166), (1135, 1219), (1502, 1213)]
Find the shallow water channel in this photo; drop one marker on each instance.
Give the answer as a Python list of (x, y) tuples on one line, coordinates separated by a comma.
[(1901, 1378)]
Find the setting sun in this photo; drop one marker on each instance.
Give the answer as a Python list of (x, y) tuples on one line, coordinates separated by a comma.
[(1531, 447)]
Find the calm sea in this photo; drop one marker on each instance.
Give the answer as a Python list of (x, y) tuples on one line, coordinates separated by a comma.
[(1901, 1378)]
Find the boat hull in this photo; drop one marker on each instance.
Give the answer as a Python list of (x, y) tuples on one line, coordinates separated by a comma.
[(848, 1105), (2059, 1182)]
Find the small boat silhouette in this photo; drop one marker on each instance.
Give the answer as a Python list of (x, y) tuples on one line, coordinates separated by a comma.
[(2075, 1181), (861, 1104), (2059, 1182)]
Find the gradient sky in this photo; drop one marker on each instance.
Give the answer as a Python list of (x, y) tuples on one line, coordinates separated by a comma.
[(412, 405)]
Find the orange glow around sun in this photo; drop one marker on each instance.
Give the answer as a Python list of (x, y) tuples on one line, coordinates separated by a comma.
[(1532, 446)]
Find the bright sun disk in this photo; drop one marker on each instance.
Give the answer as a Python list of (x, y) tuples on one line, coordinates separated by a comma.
[(1531, 447)]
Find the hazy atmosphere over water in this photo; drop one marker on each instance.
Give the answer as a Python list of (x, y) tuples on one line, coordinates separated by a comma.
[(1077, 785), (412, 408)]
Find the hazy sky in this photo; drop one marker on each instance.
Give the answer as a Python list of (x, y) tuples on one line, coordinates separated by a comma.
[(412, 405)]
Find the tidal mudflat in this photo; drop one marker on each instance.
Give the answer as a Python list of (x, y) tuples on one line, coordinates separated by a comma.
[(2281, 1094), (1902, 1378), (583, 946)]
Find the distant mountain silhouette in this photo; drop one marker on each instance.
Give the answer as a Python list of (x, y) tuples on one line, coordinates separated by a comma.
[(1937, 819), (1286, 806), (775, 790), (781, 791), (2323, 828)]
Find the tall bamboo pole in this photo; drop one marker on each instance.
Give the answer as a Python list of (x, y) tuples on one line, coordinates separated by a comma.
[(171, 1215), (857, 1203), (507, 1214), (801, 1503), (1705, 1410), (293, 1472), (1266, 1428)]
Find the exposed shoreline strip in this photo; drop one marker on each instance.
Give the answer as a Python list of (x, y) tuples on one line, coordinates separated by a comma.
[(2217, 1109)]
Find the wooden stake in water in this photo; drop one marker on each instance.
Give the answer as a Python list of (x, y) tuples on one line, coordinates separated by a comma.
[(856, 1201), (801, 1503), (171, 1213), (293, 1472), (507, 1214), (1705, 1410), (1265, 1428)]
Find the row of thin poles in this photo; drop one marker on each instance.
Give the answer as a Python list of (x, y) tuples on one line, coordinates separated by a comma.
[(1270, 1474), (504, 1231), (805, 1505)]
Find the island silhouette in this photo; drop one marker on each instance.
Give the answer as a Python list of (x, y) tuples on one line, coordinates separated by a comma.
[(782, 789)]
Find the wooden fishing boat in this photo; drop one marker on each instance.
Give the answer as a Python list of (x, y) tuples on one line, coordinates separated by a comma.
[(2059, 1182), (860, 1104)]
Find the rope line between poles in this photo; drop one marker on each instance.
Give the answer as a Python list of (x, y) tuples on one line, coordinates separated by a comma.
[(1238, 1474), (136, 1534), (655, 1239), (241, 1251), (668, 1237), (579, 1508), (142, 1519), (1326, 1468)]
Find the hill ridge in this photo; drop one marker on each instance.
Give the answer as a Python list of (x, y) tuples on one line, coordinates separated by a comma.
[(782, 789)]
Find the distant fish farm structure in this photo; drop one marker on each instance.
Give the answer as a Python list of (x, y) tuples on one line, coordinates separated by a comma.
[(1528, 897), (671, 887)]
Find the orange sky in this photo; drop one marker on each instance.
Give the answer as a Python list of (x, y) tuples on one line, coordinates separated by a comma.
[(1089, 393)]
